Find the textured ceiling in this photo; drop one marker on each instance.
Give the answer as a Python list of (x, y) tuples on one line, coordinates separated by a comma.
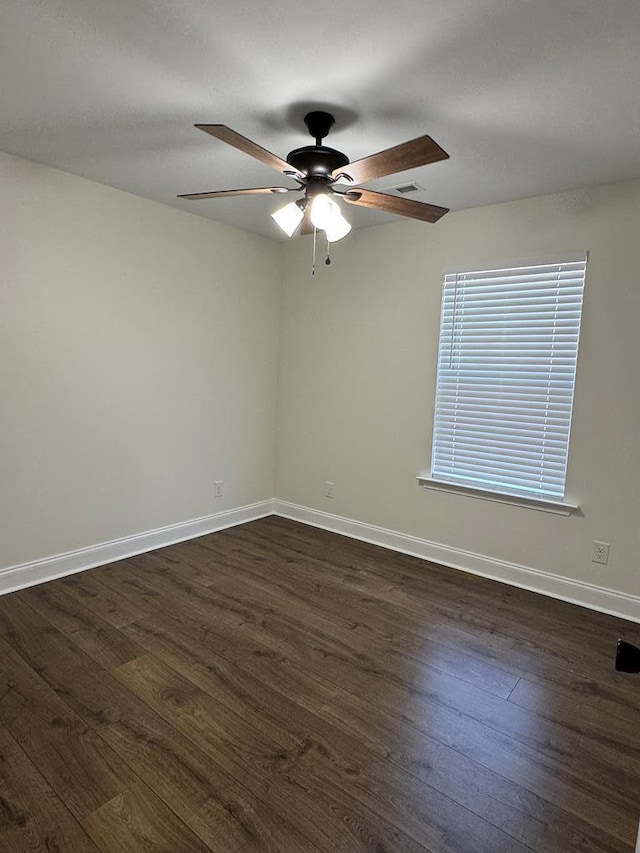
[(527, 96)]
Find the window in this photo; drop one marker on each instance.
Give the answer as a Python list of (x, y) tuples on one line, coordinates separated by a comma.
[(506, 371)]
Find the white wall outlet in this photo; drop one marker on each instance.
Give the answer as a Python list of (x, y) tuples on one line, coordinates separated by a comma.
[(600, 553), (328, 492), (218, 489)]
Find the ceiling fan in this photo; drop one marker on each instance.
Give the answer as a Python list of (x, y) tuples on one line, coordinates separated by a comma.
[(324, 175)]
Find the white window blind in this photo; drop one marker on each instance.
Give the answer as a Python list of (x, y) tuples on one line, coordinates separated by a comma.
[(506, 371)]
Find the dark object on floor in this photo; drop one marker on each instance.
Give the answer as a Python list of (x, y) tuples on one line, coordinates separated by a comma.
[(627, 657)]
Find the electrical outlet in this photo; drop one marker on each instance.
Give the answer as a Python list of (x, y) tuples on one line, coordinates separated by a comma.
[(600, 553), (218, 489), (329, 490)]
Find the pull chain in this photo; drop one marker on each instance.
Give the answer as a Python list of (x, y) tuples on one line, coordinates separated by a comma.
[(313, 264), (315, 244)]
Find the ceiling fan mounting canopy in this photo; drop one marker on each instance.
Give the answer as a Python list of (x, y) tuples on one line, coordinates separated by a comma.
[(319, 123)]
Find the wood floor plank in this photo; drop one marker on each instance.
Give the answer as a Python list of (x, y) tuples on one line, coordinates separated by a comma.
[(401, 576), (608, 691), (176, 556), (331, 823), (621, 736), (106, 645), (543, 800), (137, 820), (205, 797), (33, 819), (331, 664), (203, 662), (338, 753), (200, 793), (459, 596), (119, 579), (326, 592), (518, 655), (377, 636), (335, 663), (322, 748), (191, 644), (68, 671), (594, 760), (78, 766), (224, 813), (113, 607)]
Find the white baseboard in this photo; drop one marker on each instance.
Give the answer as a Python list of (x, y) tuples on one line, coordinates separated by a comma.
[(38, 571), (577, 592)]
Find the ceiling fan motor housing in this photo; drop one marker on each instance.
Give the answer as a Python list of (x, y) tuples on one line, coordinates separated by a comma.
[(317, 161)]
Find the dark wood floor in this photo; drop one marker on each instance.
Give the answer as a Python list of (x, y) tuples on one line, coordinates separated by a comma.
[(278, 688)]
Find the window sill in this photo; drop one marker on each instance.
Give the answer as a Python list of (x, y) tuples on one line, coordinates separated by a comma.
[(556, 507)]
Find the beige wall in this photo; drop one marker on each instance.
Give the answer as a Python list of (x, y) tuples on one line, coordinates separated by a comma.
[(138, 364), (358, 355)]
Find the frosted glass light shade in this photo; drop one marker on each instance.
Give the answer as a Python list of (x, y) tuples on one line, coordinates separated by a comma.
[(288, 217), (323, 211), (337, 228)]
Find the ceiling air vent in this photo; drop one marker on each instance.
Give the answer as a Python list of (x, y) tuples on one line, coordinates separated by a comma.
[(407, 189)]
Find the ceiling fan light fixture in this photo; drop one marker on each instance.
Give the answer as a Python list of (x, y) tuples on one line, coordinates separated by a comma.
[(337, 228), (289, 217), (323, 211)]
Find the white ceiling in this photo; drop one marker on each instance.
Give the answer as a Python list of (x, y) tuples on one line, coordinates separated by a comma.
[(527, 96)]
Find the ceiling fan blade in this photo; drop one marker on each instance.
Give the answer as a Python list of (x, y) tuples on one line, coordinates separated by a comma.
[(225, 134), (248, 191), (409, 155), (394, 204)]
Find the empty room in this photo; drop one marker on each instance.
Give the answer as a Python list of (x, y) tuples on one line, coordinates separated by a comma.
[(319, 469)]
